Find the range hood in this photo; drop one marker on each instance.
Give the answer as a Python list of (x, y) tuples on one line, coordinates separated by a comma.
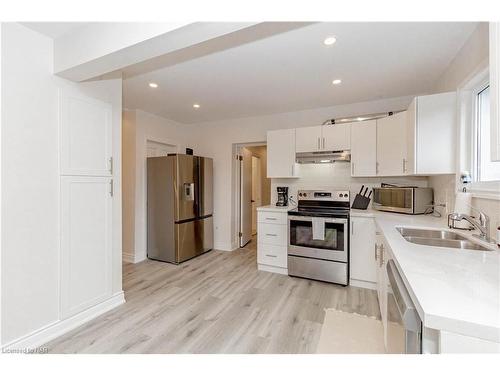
[(321, 157)]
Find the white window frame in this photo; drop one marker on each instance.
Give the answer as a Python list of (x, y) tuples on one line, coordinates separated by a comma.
[(467, 135)]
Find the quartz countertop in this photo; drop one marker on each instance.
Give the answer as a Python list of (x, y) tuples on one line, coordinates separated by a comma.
[(453, 289), (274, 208)]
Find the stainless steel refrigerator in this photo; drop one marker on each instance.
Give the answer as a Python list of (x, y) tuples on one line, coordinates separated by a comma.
[(179, 204)]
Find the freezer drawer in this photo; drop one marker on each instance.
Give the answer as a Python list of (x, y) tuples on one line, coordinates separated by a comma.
[(193, 238)]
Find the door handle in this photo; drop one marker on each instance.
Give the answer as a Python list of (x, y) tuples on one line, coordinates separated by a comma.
[(319, 147), (323, 143), (111, 165)]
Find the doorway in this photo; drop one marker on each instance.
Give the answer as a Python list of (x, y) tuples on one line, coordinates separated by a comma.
[(254, 189)]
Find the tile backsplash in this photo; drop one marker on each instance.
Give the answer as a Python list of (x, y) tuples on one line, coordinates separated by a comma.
[(336, 176)]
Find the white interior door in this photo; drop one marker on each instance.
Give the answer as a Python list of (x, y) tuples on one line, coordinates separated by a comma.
[(245, 196), (256, 191)]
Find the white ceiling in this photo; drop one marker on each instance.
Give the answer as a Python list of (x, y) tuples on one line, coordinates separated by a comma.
[(54, 29), (294, 70)]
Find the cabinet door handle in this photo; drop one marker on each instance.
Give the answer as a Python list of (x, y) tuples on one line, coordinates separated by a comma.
[(319, 147), (271, 256), (376, 251), (323, 143), (352, 228), (404, 165), (111, 188), (376, 167), (352, 168), (271, 234), (111, 165), (271, 218)]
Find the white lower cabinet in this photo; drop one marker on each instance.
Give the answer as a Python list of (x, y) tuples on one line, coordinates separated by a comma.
[(363, 271), (272, 240), (86, 242)]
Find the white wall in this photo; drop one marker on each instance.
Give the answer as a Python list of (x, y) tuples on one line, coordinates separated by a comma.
[(470, 60), (139, 127), (30, 182), (216, 139)]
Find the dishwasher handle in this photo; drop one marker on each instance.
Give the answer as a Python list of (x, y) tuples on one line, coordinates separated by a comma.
[(406, 308)]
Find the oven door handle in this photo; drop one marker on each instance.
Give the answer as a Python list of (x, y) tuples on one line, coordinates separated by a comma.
[(309, 218)]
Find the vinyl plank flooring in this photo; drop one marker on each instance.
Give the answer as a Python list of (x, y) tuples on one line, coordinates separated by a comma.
[(216, 303)]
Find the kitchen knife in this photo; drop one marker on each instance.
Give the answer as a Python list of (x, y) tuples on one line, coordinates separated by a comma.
[(369, 195), (361, 191), (366, 191)]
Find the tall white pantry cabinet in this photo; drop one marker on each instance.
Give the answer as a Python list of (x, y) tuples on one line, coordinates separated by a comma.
[(86, 201)]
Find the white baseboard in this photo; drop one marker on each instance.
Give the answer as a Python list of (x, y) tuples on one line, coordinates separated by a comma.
[(363, 284), (264, 267), (132, 258), (223, 246), (128, 258), (56, 329)]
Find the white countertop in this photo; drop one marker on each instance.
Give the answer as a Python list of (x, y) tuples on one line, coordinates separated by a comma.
[(453, 290), (273, 208)]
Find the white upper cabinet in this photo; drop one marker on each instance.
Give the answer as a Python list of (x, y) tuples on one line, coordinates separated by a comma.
[(86, 138), (281, 153), (495, 89), (391, 145), (323, 138), (364, 148), (337, 137), (431, 133), (308, 139)]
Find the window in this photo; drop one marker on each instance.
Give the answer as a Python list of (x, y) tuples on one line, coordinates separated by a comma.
[(483, 168)]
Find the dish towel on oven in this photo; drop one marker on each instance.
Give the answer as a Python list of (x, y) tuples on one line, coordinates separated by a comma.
[(318, 227)]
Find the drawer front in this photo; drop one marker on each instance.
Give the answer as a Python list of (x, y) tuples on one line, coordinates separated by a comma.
[(272, 217), (272, 255), (272, 234)]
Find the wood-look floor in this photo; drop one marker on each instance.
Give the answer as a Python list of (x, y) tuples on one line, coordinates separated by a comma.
[(216, 303)]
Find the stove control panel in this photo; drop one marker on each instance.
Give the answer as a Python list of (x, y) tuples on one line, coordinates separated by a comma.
[(324, 195)]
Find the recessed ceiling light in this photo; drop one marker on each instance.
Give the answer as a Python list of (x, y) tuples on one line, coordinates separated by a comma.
[(329, 41), (153, 85), (337, 81), (196, 106)]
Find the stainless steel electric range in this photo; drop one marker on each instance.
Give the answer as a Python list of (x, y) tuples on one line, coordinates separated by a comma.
[(318, 238)]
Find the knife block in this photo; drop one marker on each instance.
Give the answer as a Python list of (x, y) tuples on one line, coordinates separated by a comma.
[(360, 202)]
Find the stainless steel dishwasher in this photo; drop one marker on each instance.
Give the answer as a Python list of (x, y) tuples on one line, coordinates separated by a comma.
[(404, 335)]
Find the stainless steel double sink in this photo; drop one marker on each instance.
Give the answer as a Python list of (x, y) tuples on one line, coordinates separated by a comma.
[(440, 238)]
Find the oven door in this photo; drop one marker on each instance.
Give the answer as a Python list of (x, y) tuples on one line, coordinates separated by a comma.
[(333, 247)]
